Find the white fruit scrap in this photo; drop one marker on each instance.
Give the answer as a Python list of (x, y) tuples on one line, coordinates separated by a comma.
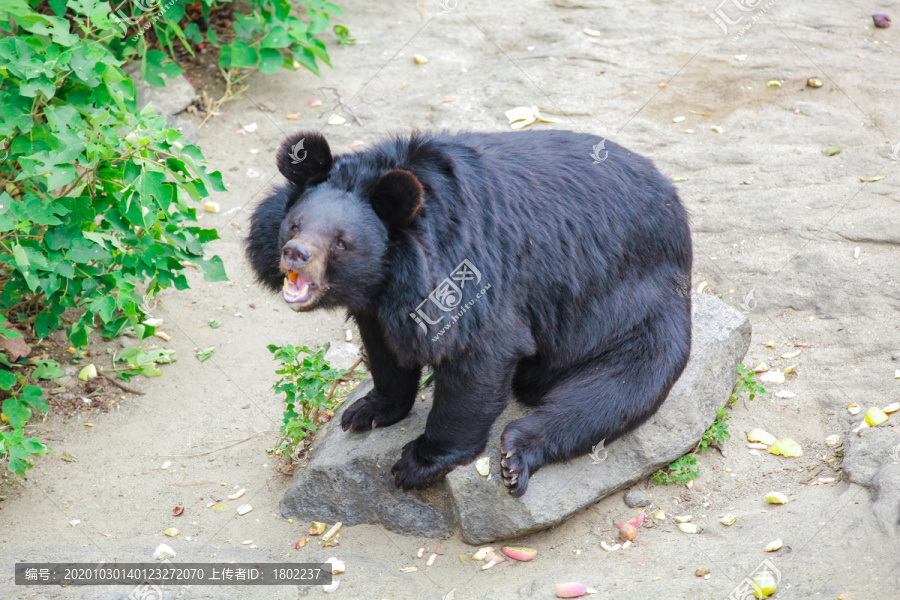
[(237, 494), (683, 519), (774, 545), (688, 527), (330, 533), (728, 520), (481, 553), (483, 466), (762, 436), (163, 552), (776, 498), (337, 566), (244, 509)]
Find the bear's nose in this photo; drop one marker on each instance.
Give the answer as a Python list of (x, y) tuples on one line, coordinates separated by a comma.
[(296, 253)]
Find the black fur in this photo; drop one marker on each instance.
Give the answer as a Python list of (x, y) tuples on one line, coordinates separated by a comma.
[(581, 309)]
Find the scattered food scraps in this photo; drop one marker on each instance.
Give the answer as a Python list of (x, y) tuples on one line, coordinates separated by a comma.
[(814, 82), (786, 447), (420, 60), (774, 545), (483, 466), (570, 590), (776, 498), (523, 116), (519, 553), (688, 527), (831, 151), (334, 529), (728, 520), (761, 436), (854, 409), (875, 416), (881, 21), (172, 532), (591, 32)]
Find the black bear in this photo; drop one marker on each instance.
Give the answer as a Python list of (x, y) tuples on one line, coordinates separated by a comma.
[(551, 264)]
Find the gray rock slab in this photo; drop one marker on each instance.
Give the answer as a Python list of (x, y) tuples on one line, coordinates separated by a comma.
[(872, 459), (172, 99), (348, 476)]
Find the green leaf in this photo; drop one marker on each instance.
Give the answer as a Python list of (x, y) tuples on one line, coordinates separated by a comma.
[(155, 65), (34, 396), (277, 38), (237, 55), (214, 324), (7, 380), (47, 369), (205, 353), (270, 60), (214, 270)]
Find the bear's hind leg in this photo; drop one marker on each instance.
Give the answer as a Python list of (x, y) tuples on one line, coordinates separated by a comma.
[(395, 386), (597, 401)]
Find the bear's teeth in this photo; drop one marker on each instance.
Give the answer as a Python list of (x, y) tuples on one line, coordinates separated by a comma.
[(303, 290)]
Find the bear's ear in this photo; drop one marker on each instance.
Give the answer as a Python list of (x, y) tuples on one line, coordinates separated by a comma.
[(304, 158), (398, 197)]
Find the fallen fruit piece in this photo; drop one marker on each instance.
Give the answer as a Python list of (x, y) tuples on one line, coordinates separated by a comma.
[(833, 440), (772, 377), (420, 60), (492, 559), (764, 585), (171, 532), (522, 116), (220, 507), (211, 207), (244, 509), (88, 373), (481, 553), (701, 572), (794, 353), (814, 82), (774, 545), (483, 466), (875, 416), (627, 532), (830, 152), (337, 566), (334, 529), (785, 394), (761, 436), (761, 368), (314, 102), (891, 408), (237, 494), (660, 514), (853, 409), (591, 32), (786, 447), (316, 528), (776, 498), (331, 587), (246, 542), (336, 120), (420, 552), (520, 553), (774, 83), (609, 548), (301, 542), (570, 590), (789, 369), (431, 559), (881, 21), (177, 511), (683, 519), (728, 520), (757, 446), (163, 552), (688, 527), (292, 117)]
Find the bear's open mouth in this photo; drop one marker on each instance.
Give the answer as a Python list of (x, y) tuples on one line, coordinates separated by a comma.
[(297, 289)]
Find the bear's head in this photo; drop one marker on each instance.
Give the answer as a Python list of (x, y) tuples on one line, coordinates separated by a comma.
[(324, 239)]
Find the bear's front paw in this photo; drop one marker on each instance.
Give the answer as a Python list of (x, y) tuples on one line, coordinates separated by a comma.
[(414, 472), (371, 411)]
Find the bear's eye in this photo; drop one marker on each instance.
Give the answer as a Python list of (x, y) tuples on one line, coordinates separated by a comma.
[(295, 229), (340, 245)]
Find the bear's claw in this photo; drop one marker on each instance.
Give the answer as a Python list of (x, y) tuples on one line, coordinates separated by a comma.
[(372, 411)]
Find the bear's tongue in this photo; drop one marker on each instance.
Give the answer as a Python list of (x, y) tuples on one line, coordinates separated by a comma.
[(296, 288)]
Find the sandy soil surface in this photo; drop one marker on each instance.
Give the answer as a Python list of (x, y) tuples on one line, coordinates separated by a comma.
[(772, 216)]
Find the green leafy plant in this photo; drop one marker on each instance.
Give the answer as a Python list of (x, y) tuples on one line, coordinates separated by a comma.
[(97, 201), (269, 36), (746, 381), (685, 468), (308, 383)]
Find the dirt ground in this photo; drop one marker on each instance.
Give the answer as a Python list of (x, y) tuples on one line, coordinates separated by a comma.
[(775, 221)]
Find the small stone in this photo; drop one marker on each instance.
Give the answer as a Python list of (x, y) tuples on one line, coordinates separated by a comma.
[(637, 498)]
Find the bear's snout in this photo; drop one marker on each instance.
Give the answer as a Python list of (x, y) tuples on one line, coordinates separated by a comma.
[(296, 254)]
